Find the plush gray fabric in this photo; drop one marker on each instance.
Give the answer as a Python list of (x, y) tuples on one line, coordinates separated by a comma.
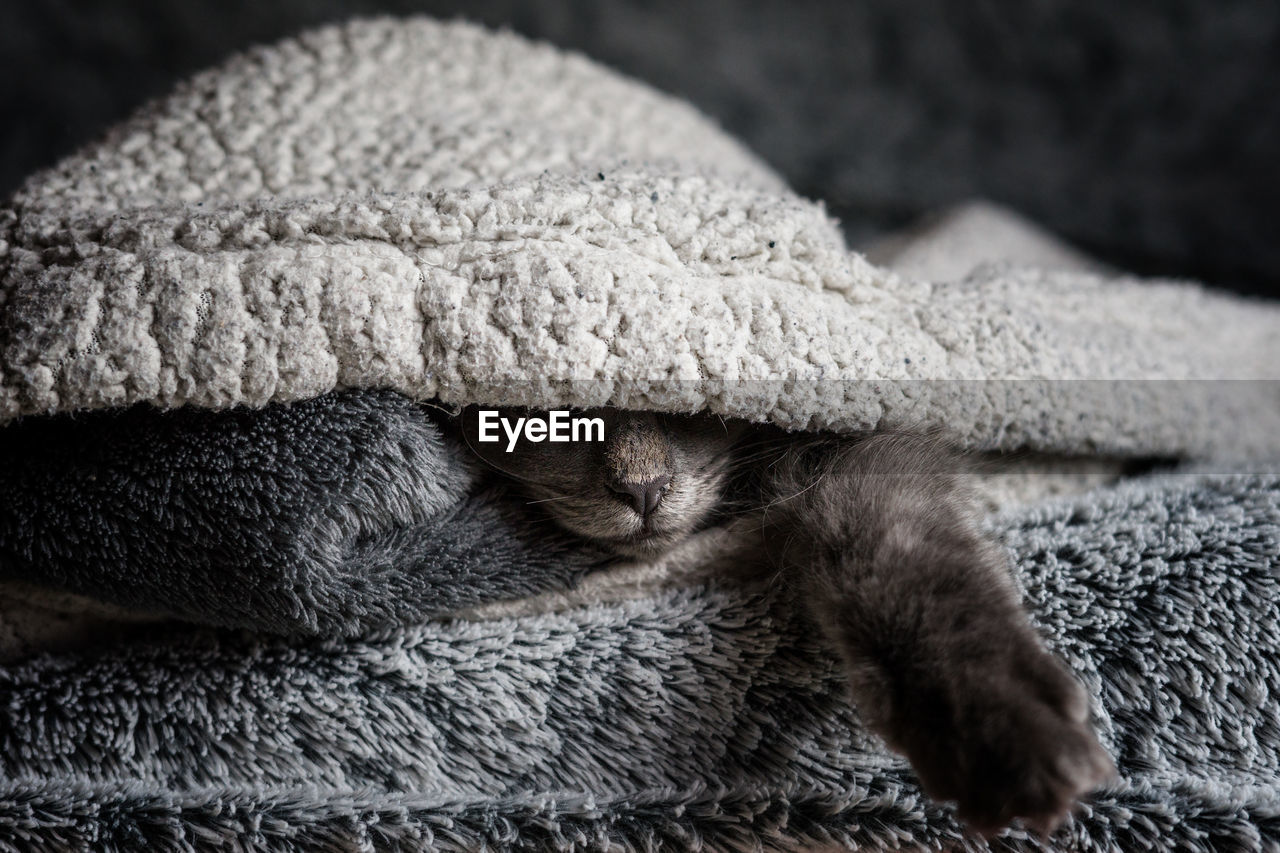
[(333, 515), (696, 716)]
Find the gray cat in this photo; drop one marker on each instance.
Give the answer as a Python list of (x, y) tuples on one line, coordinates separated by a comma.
[(877, 535)]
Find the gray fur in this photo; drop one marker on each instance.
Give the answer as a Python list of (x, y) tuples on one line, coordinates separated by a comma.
[(878, 537), (712, 717)]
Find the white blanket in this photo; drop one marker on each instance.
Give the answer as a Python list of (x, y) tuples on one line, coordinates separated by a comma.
[(470, 217)]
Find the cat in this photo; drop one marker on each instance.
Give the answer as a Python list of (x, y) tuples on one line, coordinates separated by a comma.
[(878, 537)]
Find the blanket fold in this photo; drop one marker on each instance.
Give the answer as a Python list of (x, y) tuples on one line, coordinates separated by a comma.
[(335, 515)]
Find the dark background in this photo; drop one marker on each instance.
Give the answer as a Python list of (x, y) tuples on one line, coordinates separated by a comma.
[(1147, 133)]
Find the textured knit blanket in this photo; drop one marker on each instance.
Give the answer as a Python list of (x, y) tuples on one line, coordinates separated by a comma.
[(458, 216), (469, 217)]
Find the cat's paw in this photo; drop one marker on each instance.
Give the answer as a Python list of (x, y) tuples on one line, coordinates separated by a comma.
[(1010, 742)]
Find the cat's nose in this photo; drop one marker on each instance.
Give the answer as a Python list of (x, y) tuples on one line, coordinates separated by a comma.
[(644, 497)]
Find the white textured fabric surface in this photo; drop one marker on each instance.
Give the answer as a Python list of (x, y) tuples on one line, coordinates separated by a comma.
[(952, 244), (467, 216)]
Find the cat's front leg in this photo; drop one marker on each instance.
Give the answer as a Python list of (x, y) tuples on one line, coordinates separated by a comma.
[(961, 686), (942, 660)]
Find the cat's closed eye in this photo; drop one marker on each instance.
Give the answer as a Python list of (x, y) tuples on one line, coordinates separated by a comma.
[(647, 485)]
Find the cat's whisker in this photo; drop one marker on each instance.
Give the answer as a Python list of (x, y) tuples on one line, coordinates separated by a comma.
[(782, 499)]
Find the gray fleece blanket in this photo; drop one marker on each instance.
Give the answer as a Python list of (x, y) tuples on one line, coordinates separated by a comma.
[(333, 516), (465, 217), (697, 718)]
